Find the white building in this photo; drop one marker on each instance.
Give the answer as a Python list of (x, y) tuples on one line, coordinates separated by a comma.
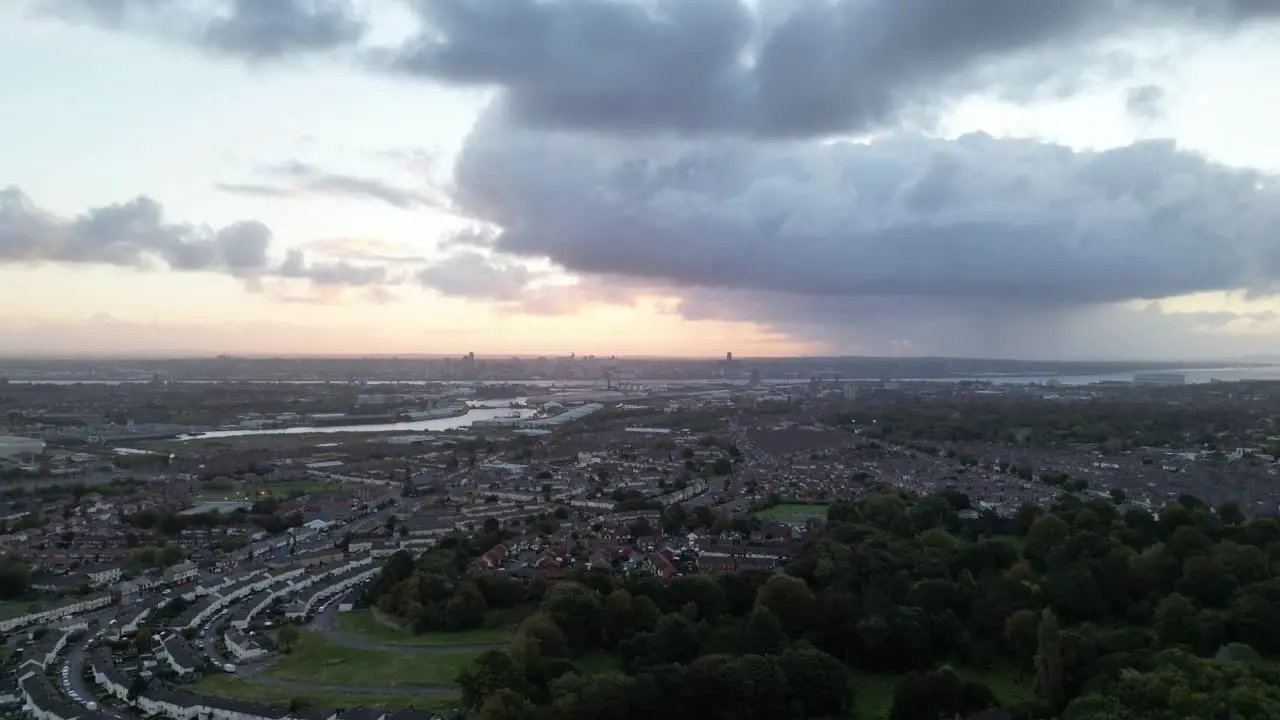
[(242, 646)]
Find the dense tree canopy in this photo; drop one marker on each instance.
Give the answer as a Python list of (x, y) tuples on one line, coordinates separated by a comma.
[(1099, 610)]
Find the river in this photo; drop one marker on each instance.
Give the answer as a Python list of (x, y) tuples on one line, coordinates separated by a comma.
[(439, 424)]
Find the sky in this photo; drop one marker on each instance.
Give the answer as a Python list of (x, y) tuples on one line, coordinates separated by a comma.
[(1095, 179)]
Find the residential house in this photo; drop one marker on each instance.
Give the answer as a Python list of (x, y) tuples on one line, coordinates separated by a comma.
[(102, 575), (242, 646), (170, 702), (107, 676), (411, 714), (181, 574), (314, 713), (44, 703), (362, 714), (220, 708), (181, 658)]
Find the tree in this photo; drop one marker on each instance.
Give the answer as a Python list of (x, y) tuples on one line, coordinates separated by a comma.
[(1021, 631), (491, 671), (1049, 661), (818, 682), (675, 640), (1179, 685), (143, 641), (576, 610), (466, 609), (15, 579), (587, 697), (549, 638), (137, 686), (703, 591), (763, 633), (790, 600), (615, 619), (1025, 517), (170, 554), (939, 694), (1046, 533), (287, 636), (506, 704), (1230, 514)]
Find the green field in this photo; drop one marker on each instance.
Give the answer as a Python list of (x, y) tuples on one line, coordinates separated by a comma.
[(315, 659), (873, 694), (230, 687), (14, 609), (361, 622), (793, 513)]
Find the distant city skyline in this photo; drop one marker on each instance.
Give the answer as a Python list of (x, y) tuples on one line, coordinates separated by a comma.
[(1074, 181)]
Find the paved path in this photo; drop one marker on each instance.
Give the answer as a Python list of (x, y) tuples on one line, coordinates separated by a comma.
[(384, 689)]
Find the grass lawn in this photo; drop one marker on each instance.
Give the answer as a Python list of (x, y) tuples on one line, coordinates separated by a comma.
[(1004, 682), (793, 513), (230, 687), (361, 622), (263, 491), (10, 610), (873, 694), (315, 659)]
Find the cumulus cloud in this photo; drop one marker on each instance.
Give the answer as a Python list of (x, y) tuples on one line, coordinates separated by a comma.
[(587, 159), (948, 246), (473, 275), (250, 29), (295, 179), (902, 216), (135, 234)]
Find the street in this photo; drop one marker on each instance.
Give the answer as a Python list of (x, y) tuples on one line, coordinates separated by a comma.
[(71, 676)]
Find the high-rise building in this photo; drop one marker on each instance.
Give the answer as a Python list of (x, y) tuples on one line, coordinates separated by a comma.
[(728, 357)]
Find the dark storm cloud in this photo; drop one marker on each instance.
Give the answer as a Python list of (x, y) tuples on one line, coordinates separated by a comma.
[(135, 234), (1015, 220), (771, 67), (272, 28), (249, 29), (981, 327), (784, 69), (294, 179)]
